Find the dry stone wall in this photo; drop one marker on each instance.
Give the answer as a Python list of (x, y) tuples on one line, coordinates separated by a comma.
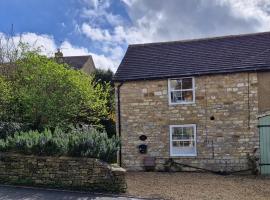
[(61, 172), (222, 143)]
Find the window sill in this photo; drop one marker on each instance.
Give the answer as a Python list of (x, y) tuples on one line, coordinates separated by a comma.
[(184, 155), (183, 103)]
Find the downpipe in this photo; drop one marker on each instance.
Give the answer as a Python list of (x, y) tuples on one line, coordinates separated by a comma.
[(119, 121)]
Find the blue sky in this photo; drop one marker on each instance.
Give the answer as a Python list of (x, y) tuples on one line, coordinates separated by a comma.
[(104, 28)]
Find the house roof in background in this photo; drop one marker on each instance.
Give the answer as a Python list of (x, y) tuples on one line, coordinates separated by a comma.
[(77, 62), (227, 54)]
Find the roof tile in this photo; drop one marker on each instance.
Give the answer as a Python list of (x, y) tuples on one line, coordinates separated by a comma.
[(227, 54)]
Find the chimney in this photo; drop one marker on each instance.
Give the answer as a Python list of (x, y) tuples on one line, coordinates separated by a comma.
[(59, 56)]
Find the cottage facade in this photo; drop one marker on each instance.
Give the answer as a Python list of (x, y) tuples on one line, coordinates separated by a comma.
[(196, 101)]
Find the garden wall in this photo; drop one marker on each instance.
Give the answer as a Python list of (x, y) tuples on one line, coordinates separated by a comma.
[(61, 172)]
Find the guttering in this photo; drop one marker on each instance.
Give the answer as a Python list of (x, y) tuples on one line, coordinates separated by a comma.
[(119, 120), (197, 73)]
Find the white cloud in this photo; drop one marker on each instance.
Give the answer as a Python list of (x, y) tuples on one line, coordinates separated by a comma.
[(69, 50), (48, 47), (96, 33), (98, 12), (44, 42), (104, 62), (251, 9), (129, 2), (159, 20)]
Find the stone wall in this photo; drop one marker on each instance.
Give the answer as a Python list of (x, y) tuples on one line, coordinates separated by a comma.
[(222, 144), (61, 172), (264, 91)]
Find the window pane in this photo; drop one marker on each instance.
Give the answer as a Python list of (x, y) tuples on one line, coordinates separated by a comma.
[(177, 133), (176, 96), (187, 96), (187, 144), (176, 84), (184, 151), (187, 83), (187, 133), (181, 96), (182, 133), (176, 143)]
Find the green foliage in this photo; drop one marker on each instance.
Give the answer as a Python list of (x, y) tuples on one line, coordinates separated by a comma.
[(5, 96), (91, 143), (9, 128), (47, 94), (78, 143), (3, 145), (104, 77), (39, 143)]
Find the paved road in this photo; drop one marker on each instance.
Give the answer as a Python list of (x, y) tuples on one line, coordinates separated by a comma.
[(24, 193)]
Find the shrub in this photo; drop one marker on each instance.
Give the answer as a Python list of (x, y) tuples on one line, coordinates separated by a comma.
[(3, 146), (33, 142), (9, 128), (78, 142), (91, 143)]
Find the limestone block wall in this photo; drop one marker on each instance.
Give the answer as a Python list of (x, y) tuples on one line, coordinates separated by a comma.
[(222, 144), (264, 92), (61, 172)]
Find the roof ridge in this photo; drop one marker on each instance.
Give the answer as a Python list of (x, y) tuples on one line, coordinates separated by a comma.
[(201, 39)]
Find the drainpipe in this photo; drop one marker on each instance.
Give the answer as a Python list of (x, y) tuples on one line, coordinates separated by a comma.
[(119, 121)]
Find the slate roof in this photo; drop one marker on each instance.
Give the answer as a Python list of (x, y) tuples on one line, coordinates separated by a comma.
[(76, 62), (228, 54)]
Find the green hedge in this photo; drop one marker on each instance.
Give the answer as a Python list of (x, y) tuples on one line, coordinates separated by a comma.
[(77, 142)]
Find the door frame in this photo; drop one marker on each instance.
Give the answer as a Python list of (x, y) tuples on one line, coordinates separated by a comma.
[(261, 125)]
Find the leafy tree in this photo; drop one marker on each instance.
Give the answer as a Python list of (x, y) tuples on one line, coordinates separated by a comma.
[(49, 94), (5, 96), (104, 77)]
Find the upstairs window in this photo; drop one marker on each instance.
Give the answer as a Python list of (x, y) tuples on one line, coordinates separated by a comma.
[(181, 90)]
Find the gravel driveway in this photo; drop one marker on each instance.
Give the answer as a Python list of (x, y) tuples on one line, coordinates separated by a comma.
[(27, 193), (193, 186)]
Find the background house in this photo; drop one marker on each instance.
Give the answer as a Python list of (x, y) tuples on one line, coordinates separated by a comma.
[(196, 101), (84, 63)]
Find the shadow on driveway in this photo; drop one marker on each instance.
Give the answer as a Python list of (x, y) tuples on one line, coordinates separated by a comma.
[(26, 193)]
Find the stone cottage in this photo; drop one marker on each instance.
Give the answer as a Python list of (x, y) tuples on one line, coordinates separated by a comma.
[(83, 63), (196, 101)]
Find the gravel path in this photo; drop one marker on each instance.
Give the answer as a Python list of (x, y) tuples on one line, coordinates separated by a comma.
[(28, 193), (193, 186)]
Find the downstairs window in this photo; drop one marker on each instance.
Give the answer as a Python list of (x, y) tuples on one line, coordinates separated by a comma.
[(183, 140)]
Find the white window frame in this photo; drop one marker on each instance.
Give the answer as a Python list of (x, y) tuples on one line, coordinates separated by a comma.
[(195, 140), (193, 91)]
